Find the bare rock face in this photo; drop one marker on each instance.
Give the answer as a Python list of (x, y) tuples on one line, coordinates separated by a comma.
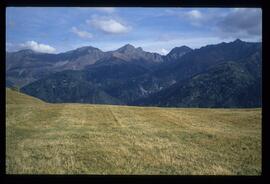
[(130, 53)]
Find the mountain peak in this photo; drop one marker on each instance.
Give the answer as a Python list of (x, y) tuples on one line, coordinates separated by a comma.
[(85, 48), (181, 49), (238, 41), (139, 48), (126, 48), (26, 51), (178, 52), (129, 46)]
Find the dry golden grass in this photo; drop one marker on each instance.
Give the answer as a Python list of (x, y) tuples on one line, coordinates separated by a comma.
[(44, 138)]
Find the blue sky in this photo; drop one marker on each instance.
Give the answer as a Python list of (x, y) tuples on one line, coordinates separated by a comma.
[(54, 30)]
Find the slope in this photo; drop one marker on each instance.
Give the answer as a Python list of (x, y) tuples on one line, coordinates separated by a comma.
[(104, 139), (15, 97), (225, 85), (199, 60), (69, 86)]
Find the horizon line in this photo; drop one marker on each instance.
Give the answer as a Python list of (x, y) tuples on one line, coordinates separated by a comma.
[(62, 52)]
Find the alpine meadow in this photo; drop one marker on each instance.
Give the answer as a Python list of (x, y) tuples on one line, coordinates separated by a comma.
[(133, 91)]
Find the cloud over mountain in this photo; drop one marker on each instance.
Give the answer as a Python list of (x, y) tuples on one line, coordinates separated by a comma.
[(39, 47)]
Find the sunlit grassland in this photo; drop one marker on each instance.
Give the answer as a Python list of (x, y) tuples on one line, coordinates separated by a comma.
[(43, 138)]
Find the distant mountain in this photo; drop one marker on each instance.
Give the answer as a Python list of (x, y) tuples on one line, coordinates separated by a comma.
[(225, 85), (118, 78), (130, 53), (129, 49), (221, 75), (26, 66), (69, 86), (200, 60), (113, 81), (177, 52), (79, 58), (9, 84)]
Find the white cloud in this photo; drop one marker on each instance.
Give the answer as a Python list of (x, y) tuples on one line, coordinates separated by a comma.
[(82, 34), (194, 17), (38, 47), (194, 14), (108, 25), (106, 9), (164, 51)]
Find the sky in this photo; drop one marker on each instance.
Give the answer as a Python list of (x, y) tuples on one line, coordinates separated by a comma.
[(60, 29)]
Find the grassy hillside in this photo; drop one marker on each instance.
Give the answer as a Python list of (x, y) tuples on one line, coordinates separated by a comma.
[(14, 97), (43, 138)]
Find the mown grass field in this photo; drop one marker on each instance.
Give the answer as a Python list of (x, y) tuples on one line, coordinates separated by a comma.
[(44, 138)]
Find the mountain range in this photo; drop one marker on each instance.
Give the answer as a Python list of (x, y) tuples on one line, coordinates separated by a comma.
[(220, 75)]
